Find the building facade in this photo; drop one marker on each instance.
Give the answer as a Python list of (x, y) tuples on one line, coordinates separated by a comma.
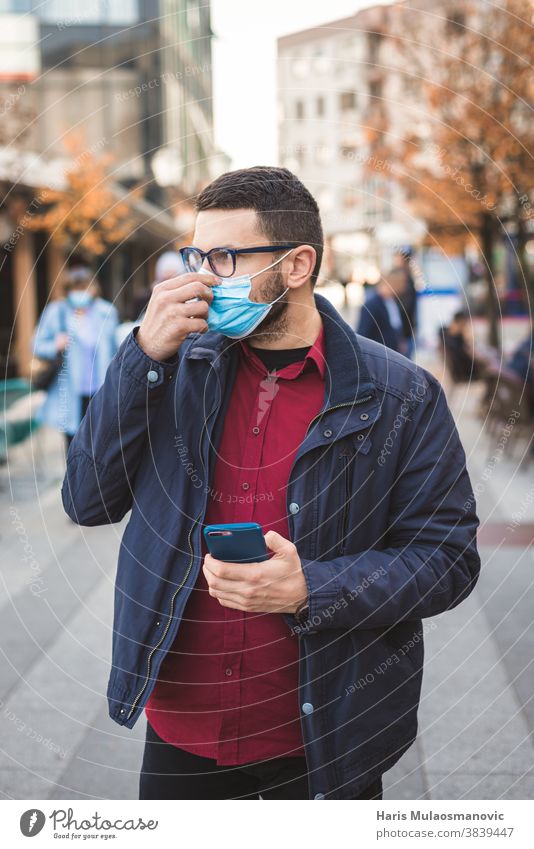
[(340, 86), (130, 78)]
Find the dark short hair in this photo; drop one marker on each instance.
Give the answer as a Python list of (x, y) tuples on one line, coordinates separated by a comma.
[(287, 211)]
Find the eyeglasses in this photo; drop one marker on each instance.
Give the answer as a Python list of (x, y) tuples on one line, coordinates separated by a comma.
[(222, 260)]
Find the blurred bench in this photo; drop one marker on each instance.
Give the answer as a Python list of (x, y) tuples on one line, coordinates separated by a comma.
[(506, 410), (18, 409)]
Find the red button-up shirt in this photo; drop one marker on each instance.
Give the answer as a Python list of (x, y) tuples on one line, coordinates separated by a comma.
[(228, 688)]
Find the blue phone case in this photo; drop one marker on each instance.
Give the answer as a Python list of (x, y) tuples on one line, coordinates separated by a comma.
[(241, 542)]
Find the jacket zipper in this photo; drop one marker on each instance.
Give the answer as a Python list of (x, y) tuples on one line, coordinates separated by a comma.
[(346, 464), (168, 625), (181, 584)]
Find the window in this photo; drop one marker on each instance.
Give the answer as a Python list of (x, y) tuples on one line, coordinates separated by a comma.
[(299, 110), (319, 106), (91, 12), (347, 100), (455, 25), (411, 85), (300, 67), (348, 151), (375, 40), (320, 62), (375, 88)]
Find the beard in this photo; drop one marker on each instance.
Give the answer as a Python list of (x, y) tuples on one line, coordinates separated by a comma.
[(275, 323)]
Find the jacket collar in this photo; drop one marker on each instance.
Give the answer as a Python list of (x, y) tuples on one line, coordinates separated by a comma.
[(347, 376)]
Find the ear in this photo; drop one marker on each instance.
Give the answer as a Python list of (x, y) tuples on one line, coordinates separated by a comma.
[(300, 265)]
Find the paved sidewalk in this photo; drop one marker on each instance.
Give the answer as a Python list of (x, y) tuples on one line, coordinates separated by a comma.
[(477, 712)]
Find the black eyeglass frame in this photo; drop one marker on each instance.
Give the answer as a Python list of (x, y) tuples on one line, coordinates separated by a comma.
[(233, 252)]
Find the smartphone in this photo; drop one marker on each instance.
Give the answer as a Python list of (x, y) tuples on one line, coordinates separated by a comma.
[(242, 542)]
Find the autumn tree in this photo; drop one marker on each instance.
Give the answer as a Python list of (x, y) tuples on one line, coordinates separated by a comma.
[(465, 156), (87, 214)]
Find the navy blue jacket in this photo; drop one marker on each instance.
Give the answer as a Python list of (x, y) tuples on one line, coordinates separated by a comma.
[(380, 508), (374, 323)]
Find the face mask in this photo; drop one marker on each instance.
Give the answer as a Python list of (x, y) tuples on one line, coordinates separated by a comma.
[(79, 299), (231, 312)]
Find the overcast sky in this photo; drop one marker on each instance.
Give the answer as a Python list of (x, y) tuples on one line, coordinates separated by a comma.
[(244, 72)]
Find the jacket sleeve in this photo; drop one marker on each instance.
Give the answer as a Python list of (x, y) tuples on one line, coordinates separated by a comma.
[(112, 321), (431, 562), (44, 338), (106, 451)]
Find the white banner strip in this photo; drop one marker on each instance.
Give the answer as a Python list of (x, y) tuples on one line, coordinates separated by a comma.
[(236, 823)]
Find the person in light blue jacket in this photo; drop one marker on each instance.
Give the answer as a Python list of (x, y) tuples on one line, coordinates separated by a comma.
[(83, 326)]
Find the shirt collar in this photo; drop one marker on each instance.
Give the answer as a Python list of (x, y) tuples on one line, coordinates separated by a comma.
[(315, 356)]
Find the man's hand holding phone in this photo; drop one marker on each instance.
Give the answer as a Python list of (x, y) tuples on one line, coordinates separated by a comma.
[(276, 585), (169, 319)]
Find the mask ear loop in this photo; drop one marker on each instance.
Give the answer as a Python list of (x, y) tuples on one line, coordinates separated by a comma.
[(252, 276)]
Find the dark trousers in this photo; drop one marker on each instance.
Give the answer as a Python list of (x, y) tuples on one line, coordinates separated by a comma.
[(168, 772)]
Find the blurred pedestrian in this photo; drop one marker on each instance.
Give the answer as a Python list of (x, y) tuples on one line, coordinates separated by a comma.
[(82, 327), (381, 315), (460, 358), (407, 300), (522, 363)]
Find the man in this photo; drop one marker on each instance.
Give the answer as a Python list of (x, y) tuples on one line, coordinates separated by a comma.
[(380, 315), (460, 357), (297, 677), (403, 259)]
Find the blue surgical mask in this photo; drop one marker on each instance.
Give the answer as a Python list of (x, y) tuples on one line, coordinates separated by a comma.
[(79, 299), (231, 312)]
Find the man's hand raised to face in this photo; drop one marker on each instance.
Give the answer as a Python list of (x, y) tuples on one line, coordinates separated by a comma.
[(169, 319), (276, 585)]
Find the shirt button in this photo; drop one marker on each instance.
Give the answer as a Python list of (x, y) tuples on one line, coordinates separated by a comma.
[(319, 796), (307, 708), (364, 417), (245, 485), (255, 430), (327, 432), (152, 376), (228, 671), (294, 507)]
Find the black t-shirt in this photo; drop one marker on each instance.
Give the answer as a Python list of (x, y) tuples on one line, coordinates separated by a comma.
[(278, 359)]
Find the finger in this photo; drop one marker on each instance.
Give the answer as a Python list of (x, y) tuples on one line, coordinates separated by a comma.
[(277, 543), (219, 585), (229, 571), (193, 309), (192, 291), (219, 580), (196, 325), (235, 601), (185, 279), (231, 603)]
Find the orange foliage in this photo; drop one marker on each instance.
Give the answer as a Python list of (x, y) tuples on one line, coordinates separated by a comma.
[(474, 159), (87, 214)]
